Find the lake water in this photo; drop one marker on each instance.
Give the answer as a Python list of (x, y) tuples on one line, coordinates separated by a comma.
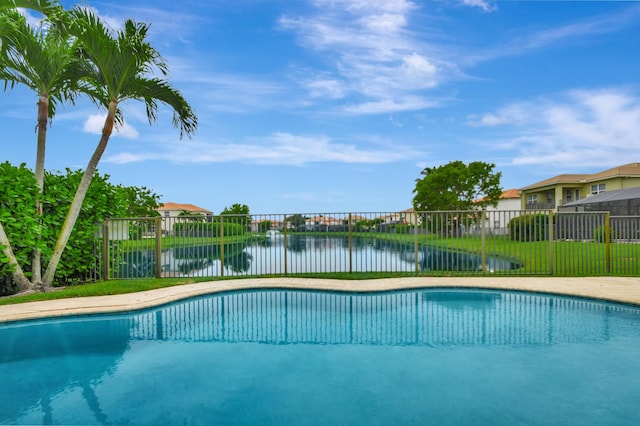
[(305, 254)]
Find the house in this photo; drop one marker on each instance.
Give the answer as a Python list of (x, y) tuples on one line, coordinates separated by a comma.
[(551, 193), (509, 206), (323, 223), (619, 202), (175, 212), (265, 224), (404, 217)]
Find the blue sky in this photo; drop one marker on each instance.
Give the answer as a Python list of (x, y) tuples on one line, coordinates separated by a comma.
[(309, 106)]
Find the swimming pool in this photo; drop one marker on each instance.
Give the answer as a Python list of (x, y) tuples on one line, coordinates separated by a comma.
[(433, 356)]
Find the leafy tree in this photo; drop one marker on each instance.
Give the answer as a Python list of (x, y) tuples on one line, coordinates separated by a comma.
[(122, 65), (264, 225), (141, 201), (457, 186), (236, 209), (241, 211)]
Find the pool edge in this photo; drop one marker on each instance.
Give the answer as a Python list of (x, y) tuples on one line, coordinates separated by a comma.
[(612, 289)]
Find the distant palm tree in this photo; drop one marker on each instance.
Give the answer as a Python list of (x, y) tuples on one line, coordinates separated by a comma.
[(122, 68), (45, 60)]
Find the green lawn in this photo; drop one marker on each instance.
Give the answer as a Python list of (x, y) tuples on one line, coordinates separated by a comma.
[(105, 288)]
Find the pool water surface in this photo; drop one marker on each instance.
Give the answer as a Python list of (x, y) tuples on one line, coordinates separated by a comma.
[(303, 357)]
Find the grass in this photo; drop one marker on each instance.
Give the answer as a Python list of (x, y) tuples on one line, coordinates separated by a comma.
[(106, 288)]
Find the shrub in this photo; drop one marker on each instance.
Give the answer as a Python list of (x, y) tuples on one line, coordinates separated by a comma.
[(206, 229), (599, 234), (18, 192), (529, 227)]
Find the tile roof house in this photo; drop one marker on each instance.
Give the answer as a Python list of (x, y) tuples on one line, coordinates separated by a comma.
[(567, 188), (173, 212), (171, 209)]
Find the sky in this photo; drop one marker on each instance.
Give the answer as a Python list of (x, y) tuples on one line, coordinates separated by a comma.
[(313, 106)]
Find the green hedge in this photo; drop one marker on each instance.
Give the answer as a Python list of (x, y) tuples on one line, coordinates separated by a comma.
[(206, 229)]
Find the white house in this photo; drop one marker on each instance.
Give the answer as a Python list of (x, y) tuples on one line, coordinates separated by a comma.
[(171, 212), (509, 206)]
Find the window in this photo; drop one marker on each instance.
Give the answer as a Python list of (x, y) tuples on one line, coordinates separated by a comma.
[(166, 214), (532, 199), (596, 189), (568, 194)]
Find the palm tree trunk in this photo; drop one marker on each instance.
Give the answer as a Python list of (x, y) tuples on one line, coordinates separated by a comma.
[(43, 117), (78, 199), (18, 276)]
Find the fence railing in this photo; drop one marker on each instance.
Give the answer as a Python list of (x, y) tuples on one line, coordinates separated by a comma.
[(413, 243)]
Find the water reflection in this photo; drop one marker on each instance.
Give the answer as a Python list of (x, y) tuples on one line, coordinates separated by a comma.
[(43, 363), (305, 254), (433, 318)]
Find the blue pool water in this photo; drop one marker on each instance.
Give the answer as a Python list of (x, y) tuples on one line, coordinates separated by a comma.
[(296, 357)]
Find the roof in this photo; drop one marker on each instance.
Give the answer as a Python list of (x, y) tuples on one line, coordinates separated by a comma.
[(630, 169), (507, 194), (511, 193), (182, 207), (606, 196)]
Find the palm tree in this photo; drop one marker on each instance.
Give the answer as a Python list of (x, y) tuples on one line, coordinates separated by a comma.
[(46, 61), (123, 65)]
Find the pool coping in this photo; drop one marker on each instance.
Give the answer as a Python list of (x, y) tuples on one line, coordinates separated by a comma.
[(613, 289)]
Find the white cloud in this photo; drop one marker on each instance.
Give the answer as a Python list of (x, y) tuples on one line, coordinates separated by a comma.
[(575, 129), (279, 148), (409, 103), (572, 31), (482, 4), (514, 114), (372, 52), (95, 122), (329, 88)]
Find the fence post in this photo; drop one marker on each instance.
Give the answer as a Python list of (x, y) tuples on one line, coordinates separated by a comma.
[(158, 226), (416, 248), (484, 242), (350, 245), (284, 247), (221, 246), (105, 250), (607, 241), (551, 238)]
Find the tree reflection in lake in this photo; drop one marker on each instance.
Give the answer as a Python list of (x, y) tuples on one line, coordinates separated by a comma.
[(305, 254)]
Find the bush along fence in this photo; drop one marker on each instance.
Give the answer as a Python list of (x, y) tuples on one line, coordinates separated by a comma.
[(413, 243)]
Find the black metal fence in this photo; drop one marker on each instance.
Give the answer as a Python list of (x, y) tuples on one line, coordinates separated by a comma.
[(412, 243)]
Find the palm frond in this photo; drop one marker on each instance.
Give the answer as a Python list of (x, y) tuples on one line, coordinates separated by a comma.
[(154, 90), (41, 60)]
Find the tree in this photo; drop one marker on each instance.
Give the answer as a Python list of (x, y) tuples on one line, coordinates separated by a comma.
[(141, 201), (457, 186), (122, 67), (241, 211), (44, 60), (296, 220)]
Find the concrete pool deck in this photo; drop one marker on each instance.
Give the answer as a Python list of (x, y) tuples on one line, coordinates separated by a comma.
[(614, 289)]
